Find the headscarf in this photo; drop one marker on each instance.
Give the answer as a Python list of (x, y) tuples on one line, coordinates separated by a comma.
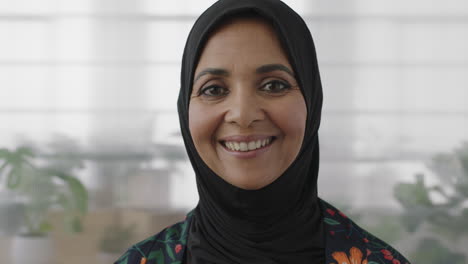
[(281, 222)]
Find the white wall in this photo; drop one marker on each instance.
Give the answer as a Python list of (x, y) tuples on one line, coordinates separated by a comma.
[(107, 74)]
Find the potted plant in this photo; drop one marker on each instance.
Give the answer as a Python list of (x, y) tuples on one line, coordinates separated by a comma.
[(447, 216), (115, 239), (11, 213), (40, 188)]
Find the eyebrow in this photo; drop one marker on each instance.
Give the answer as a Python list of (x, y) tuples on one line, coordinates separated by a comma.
[(274, 67), (213, 71), (262, 69)]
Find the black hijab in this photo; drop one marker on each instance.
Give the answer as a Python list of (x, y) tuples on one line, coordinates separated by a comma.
[(281, 222)]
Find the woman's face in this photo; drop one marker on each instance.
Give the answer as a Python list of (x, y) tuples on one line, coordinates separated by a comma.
[(247, 115)]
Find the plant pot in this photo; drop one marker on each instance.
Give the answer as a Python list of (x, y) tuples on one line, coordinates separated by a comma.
[(108, 258), (11, 217), (32, 249)]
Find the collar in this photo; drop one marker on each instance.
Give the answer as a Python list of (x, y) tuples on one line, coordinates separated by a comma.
[(345, 242)]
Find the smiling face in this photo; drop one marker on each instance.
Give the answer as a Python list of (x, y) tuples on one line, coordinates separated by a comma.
[(247, 115)]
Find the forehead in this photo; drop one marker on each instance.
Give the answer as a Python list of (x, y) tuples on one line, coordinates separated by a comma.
[(243, 40), (243, 25)]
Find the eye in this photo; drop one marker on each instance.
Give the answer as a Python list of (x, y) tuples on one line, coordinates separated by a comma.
[(213, 91), (276, 86)]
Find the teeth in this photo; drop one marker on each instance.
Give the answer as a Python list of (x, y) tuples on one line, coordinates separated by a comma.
[(247, 146), (243, 146), (252, 145)]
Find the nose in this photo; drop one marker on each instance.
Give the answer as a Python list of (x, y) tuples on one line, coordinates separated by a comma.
[(244, 108)]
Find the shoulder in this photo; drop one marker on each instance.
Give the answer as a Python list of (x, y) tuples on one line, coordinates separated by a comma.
[(167, 246), (348, 242)]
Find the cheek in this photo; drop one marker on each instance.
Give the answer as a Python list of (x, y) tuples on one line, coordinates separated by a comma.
[(292, 121), (202, 125)]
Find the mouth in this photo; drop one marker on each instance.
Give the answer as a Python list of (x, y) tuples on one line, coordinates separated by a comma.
[(247, 146)]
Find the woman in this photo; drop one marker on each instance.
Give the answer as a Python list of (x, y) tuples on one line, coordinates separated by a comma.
[(249, 108)]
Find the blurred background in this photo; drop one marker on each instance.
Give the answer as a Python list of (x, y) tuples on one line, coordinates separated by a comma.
[(91, 157)]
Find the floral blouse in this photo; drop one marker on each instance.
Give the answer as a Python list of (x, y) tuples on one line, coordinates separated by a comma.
[(346, 243)]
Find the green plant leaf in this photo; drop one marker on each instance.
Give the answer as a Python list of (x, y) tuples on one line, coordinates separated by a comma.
[(4, 165), (73, 224), (13, 178), (387, 227), (15, 160), (413, 194), (4, 152), (79, 192), (38, 186), (25, 151), (45, 227), (432, 251), (462, 155)]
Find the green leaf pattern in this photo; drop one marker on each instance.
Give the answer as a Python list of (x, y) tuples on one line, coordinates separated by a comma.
[(330, 221), (342, 234), (166, 247)]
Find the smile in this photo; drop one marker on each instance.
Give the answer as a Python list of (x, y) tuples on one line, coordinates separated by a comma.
[(245, 146)]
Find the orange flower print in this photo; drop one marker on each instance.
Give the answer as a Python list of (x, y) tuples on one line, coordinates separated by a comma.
[(355, 257)]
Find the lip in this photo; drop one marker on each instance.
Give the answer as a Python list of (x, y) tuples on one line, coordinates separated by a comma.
[(246, 154)]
